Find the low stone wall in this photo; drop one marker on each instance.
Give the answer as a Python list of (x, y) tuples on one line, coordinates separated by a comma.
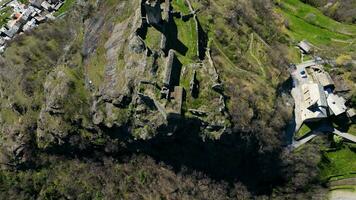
[(214, 70), (169, 68)]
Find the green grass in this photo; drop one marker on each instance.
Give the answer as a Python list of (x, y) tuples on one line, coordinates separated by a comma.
[(187, 33), (302, 131), (352, 129), (153, 39), (338, 164), (65, 7), (5, 14), (317, 18), (24, 1), (344, 187), (307, 22), (180, 6)]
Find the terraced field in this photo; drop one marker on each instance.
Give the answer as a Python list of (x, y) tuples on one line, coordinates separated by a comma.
[(306, 22)]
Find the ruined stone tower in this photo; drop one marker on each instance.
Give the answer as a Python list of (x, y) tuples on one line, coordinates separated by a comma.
[(153, 12)]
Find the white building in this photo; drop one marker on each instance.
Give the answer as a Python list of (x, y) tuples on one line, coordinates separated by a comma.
[(305, 47)]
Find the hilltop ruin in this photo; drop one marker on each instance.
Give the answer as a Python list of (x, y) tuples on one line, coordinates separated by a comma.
[(168, 78)]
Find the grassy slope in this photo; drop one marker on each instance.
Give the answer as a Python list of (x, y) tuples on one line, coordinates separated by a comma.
[(307, 22), (186, 31), (340, 10), (95, 68), (338, 164), (239, 64)]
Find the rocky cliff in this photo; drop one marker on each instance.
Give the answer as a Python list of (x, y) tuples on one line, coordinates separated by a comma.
[(109, 73), (204, 84)]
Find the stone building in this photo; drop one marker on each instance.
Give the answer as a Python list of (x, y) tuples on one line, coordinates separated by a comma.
[(305, 47), (313, 93), (314, 104)]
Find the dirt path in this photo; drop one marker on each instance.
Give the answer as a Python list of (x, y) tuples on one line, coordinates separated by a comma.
[(342, 195), (228, 59), (347, 189), (255, 57)]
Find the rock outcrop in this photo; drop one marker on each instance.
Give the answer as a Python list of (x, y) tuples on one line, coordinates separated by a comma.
[(118, 75)]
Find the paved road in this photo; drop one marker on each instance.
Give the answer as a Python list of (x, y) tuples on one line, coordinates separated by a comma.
[(342, 195), (297, 143), (323, 129)]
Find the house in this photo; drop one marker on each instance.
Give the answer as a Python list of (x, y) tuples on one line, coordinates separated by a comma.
[(58, 6), (305, 47), (12, 30), (320, 76), (2, 31), (36, 3), (29, 25), (2, 45), (40, 19), (50, 16), (2, 42), (336, 104), (28, 14), (17, 6), (46, 6), (351, 113), (313, 93), (314, 104), (53, 2)]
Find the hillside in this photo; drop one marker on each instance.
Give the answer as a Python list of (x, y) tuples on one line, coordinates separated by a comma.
[(91, 107), (340, 10)]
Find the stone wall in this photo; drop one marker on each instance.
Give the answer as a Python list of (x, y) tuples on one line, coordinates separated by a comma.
[(169, 69), (167, 17), (153, 12), (202, 38)]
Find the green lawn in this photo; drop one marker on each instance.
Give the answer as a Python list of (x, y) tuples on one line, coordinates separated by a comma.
[(338, 164), (302, 131), (186, 32), (316, 17)]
